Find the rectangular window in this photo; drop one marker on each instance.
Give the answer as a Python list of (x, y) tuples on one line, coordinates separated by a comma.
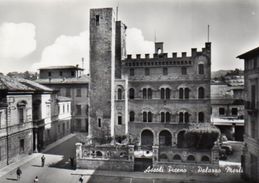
[(1, 119), (201, 69), (67, 125), (221, 111), (253, 96), (255, 63), (147, 71), (119, 120), (48, 110), (132, 72), (48, 133), (21, 145), (184, 70), (234, 111), (21, 114), (68, 93), (97, 20), (78, 92), (49, 74), (78, 110), (99, 122), (165, 71), (61, 73), (86, 90), (86, 109), (253, 128), (86, 125), (78, 124), (72, 73)]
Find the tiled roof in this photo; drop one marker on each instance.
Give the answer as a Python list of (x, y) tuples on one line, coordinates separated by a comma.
[(12, 84), (81, 80), (34, 85), (61, 67), (249, 53)]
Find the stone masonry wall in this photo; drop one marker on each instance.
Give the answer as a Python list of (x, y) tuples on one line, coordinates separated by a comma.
[(102, 55)]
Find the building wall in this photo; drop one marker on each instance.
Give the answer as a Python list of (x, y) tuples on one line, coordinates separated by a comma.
[(14, 100), (102, 71), (120, 107), (251, 150), (120, 49), (70, 91), (174, 79), (59, 73)]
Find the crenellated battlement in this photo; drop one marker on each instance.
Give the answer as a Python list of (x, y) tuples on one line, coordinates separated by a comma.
[(174, 55)]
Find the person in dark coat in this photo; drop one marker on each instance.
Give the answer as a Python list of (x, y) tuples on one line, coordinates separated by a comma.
[(81, 179), (36, 180), (18, 173), (72, 162), (42, 160)]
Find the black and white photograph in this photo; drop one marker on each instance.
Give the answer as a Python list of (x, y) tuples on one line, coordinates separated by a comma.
[(129, 91)]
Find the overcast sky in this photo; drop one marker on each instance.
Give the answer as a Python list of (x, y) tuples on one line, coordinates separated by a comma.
[(37, 33)]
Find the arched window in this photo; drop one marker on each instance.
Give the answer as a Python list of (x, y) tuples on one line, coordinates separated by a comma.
[(201, 117), (186, 93), (167, 93), (162, 115), (147, 138), (167, 116), (181, 93), (201, 68), (149, 93), (181, 117), (99, 154), (163, 157), (165, 138), (201, 92), (144, 93), (177, 157), (131, 93), (132, 116), (149, 117), (162, 93), (190, 158), (144, 116), (119, 93), (205, 158), (186, 117)]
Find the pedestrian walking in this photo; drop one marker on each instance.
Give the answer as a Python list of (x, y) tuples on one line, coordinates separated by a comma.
[(42, 160), (81, 179), (18, 173), (36, 180)]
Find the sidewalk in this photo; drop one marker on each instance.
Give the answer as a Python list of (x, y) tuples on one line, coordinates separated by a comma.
[(5, 170)]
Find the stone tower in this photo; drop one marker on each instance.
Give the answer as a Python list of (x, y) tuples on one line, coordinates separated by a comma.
[(120, 47), (102, 72)]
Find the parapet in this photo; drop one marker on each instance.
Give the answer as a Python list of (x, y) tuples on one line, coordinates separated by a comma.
[(184, 55)]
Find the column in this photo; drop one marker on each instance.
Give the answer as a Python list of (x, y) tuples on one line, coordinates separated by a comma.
[(36, 141)]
